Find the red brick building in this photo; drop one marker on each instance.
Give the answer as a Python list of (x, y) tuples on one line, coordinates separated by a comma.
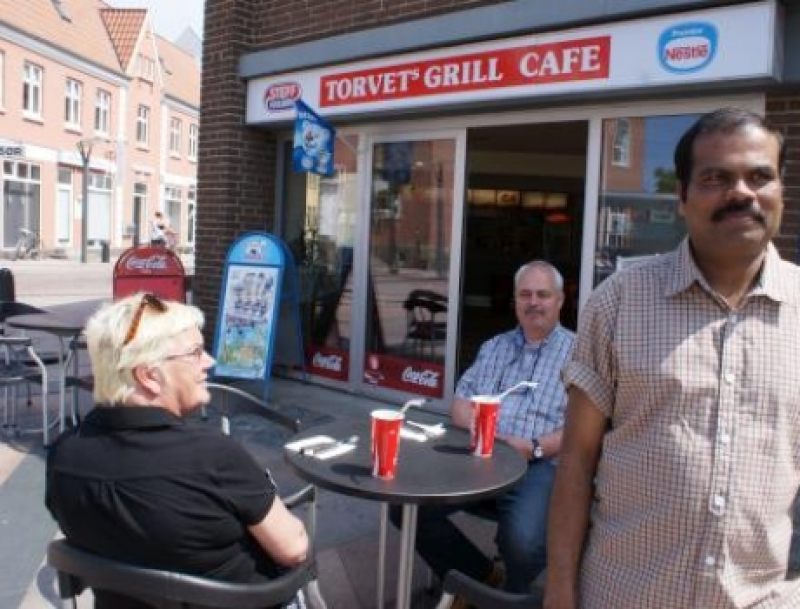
[(473, 136)]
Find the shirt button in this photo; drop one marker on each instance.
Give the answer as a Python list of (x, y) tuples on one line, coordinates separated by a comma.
[(710, 561), (729, 377), (719, 501), (724, 438)]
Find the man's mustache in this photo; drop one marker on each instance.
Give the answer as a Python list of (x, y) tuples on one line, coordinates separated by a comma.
[(532, 309), (737, 207)]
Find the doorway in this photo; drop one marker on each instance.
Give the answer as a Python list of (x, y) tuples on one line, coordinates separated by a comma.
[(525, 190)]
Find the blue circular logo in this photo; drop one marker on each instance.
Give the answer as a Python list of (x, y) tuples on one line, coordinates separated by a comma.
[(687, 47)]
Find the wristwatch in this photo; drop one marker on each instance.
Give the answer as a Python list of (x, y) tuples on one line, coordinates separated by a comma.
[(537, 452)]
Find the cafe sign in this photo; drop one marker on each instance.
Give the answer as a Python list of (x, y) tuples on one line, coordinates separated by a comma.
[(685, 48)]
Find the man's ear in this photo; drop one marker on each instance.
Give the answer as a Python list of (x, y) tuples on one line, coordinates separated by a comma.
[(147, 377), (680, 190)]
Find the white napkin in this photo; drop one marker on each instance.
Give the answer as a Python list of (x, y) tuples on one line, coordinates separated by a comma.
[(410, 434), (336, 449)]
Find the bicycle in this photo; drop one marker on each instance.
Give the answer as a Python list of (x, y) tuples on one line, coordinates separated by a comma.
[(28, 245)]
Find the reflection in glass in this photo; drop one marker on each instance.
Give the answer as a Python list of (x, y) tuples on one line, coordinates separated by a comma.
[(319, 227), (638, 212), (409, 253)]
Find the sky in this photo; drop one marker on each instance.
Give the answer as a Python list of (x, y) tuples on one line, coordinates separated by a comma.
[(170, 17)]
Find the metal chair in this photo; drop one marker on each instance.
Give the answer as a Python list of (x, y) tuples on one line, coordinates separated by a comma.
[(482, 596), (15, 352), (78, 570), (426, 319)]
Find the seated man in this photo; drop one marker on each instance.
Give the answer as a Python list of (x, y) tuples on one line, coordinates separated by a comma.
[(140, 484), (529, 420)]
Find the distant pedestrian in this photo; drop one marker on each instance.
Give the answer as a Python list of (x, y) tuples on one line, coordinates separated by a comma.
[(681, 456), (161, 232)]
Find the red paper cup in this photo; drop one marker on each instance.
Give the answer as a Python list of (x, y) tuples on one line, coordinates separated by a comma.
[(484, 424), (386, 426)]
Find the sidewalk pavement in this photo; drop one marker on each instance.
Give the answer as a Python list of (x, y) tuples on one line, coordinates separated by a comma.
[(347, 537)]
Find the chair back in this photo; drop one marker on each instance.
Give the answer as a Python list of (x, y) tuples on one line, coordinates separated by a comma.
[(78, 570), (481, 596)]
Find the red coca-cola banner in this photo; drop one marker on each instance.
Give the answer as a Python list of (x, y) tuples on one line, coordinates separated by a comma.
[(328, 362), (411, 376)]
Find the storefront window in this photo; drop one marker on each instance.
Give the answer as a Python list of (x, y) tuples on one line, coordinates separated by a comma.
[(638, 215), (21, 200), (409, 254), (319, 226)]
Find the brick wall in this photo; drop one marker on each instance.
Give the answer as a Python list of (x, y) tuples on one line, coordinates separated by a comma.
[(784, 111), (236, 164)]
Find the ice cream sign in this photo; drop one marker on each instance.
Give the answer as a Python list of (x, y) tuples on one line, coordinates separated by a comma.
[(687, 47)]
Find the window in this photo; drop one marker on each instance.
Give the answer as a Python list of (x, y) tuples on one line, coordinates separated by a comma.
[(72, 103), (102, 111), (172, 204), (175, 128), (32, 77), (193, 133), (21, 200), (147, 68), (191, 214), (2, 80), (622, 143), (143, 125)]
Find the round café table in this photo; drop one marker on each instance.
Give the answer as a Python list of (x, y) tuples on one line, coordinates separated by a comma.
[(437, 471), (65, 322)]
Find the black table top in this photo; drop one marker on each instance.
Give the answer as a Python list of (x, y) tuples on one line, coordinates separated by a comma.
[(439, 470), (64, 320)]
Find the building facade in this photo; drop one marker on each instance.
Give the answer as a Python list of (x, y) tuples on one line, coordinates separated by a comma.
[(472, 136), (94, 104)]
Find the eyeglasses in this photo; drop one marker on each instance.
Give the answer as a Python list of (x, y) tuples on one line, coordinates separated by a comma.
[(195, 355), (148, 300)]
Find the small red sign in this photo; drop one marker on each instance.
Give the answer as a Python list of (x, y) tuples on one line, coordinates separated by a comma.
[(328, 362), (412, 376)]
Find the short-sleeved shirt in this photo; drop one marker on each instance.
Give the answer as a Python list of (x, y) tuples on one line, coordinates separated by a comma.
[(701, 462), (143, 486), (507, 359)]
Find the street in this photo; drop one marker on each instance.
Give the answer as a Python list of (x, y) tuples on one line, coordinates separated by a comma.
[(53, 282)]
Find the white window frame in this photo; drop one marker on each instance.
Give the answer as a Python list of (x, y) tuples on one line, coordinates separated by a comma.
[(194, 133), (175, 133), (73, 94), (32, 84), (147, 68), (621, 153), (2, 80), (102, 111), (143, 125)]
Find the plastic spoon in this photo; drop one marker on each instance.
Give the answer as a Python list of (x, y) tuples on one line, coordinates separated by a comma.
[(531, 384)]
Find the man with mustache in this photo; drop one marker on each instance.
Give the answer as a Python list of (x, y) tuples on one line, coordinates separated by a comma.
[(681, 456), (530, 420)]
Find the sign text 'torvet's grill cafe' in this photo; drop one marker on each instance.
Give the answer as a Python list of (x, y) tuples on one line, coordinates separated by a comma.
[(704, 46)]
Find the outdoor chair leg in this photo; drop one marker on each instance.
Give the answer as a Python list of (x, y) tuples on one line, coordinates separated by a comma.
[(446, 601), (315, 596)]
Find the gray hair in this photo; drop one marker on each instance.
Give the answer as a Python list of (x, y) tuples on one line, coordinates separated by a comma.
[(558, 279), (113, 362)]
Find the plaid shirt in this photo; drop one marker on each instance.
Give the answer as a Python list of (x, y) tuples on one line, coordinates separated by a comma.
[(507, 359), (701, 463)]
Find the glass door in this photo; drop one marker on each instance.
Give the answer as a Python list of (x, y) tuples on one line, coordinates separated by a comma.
[(410, 313)]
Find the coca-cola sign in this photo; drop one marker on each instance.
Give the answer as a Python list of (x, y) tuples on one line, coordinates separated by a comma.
[(423, 377), (330, 361), (404, 374), (149, 263)]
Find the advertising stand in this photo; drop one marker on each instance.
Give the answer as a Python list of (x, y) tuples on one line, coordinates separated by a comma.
[(145, 268), (259, 300)]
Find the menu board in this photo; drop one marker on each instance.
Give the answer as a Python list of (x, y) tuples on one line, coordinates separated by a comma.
[(253, 284)]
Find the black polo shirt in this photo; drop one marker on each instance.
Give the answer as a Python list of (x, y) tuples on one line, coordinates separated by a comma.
[(140, 485)]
